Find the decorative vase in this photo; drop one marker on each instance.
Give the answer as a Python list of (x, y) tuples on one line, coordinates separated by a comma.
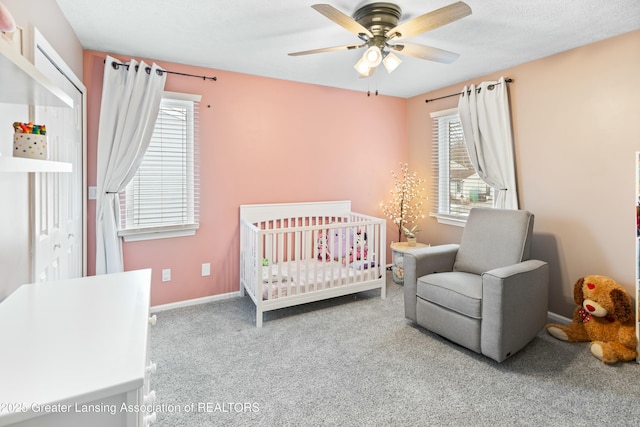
[(397, 261), (411, 241)]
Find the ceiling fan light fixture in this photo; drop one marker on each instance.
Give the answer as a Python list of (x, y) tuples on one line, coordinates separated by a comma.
[(363, 67), (391, 62), (369, 61), (373, 56)]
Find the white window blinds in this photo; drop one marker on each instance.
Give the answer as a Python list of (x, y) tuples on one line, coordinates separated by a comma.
[(459, 188), (162, 198)]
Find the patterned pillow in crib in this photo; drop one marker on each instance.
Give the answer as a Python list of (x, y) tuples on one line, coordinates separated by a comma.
[(362, 264), (275, 279)]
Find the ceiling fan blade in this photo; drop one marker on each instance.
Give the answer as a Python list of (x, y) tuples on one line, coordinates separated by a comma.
[(327, 49), (430, 21), (341, 19), (426, 52)]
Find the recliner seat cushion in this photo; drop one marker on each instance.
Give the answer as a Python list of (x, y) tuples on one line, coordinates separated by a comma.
[(457, 291)]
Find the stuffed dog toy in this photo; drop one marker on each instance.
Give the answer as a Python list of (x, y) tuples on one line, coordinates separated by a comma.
[(604, 316)]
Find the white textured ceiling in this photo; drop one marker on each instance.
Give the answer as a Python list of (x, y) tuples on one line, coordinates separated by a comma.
[(254, 37)]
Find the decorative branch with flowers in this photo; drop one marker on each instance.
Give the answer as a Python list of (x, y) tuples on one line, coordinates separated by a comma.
[(406, 204)]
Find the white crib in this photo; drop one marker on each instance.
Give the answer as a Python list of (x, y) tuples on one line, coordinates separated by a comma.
[(295, 253)]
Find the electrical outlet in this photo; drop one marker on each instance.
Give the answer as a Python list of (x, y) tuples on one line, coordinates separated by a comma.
[(206, 269), (166, 275)]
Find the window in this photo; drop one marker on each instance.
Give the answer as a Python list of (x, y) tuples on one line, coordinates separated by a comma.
[(162, 198), (459, 188)]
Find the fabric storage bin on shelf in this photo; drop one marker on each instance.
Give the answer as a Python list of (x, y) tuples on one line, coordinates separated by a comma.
[(31, 146)]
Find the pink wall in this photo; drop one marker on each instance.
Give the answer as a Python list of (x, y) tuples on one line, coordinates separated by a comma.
[(262, 141)]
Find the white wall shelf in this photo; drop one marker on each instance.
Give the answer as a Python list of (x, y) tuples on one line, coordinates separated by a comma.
[(17, 164), (22, 83)]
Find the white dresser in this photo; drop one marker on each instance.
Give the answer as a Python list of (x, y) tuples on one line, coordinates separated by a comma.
[(75, 353)]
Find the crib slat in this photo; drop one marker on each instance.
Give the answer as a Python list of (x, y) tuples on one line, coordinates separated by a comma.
[(312, 270), (289, 262), (260, 253), (281, 262), (378, 261)]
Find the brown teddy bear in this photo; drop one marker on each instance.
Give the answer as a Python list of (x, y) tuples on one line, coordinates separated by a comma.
[(604, 316)]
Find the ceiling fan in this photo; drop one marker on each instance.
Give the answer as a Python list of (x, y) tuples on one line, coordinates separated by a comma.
[(376, 24)]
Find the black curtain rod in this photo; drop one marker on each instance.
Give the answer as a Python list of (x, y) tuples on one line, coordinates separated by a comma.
[(117, 65), (458, 94)]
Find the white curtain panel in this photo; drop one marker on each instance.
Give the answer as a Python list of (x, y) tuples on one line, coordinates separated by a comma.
[(128, 112), (486, 123)]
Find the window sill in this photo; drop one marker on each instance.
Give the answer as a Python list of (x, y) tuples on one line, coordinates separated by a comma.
[(157, 233), (455, 220)]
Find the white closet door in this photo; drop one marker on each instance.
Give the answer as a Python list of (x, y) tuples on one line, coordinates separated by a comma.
[(58, 211)]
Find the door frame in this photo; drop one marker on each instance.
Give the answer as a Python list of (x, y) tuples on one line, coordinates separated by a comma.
[(40, 43)]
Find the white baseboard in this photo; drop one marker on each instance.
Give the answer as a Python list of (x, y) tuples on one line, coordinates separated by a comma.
[(196, 301), (556, 318)]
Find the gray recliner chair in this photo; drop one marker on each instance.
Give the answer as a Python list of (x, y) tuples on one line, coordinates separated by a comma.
[(484, 293)]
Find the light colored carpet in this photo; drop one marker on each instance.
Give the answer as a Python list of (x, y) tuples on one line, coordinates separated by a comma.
[(355, 361)]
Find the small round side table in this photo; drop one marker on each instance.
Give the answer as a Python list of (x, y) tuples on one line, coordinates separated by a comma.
[(397, 260)]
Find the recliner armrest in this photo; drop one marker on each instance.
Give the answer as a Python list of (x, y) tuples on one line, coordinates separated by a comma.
[(514, 306), (419, 262), (511, 270)]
